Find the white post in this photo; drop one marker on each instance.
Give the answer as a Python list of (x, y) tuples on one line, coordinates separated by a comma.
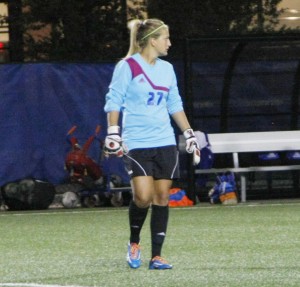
[(243, 188), (236, 164), (236, 159)]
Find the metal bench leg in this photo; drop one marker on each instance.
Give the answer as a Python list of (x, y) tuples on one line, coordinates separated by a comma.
[(243, 177), (243, 188)]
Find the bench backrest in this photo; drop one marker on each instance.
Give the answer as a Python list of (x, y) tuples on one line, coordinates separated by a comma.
[(251, 141)]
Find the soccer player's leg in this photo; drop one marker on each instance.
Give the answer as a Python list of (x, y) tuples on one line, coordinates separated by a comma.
[(137, 218), (159, 223), (165, 170)]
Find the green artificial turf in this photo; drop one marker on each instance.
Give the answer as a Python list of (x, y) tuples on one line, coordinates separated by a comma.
[(244, 245)]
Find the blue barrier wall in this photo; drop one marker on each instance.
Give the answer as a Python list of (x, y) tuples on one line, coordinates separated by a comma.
[(39, 103), (261, 96)]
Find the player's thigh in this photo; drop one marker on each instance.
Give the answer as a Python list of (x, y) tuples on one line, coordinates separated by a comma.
[(162, 191)]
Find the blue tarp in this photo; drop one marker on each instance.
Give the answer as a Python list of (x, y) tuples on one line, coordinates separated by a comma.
[(39, 103), (260, 99)]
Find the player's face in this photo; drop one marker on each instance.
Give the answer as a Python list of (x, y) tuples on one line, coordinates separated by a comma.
[(162, 43)]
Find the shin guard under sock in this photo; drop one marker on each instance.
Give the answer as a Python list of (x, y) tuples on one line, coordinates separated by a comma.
[(159, 222), (137, 218)]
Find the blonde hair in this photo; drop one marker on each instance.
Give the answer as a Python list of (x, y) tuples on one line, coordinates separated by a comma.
[(141, 31)]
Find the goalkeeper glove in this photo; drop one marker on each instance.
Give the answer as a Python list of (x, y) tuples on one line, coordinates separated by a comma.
[(192, 145), (113, 142)]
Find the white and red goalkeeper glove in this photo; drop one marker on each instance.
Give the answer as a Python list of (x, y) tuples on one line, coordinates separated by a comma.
[(192, 145), (113, 142)]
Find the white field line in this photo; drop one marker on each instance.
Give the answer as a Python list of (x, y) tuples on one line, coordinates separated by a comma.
[(26, 213), (34, 285), (122, 209)]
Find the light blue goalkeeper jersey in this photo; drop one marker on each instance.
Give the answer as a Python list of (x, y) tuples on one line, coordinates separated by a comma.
[(146, 95)]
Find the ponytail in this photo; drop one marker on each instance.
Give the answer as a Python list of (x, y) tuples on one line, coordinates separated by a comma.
[(134, 47)]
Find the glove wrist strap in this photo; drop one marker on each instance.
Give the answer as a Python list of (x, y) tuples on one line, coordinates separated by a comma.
[(188, 133), (113, 130)]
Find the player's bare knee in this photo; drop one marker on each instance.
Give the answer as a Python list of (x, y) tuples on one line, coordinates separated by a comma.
[(161, 200), (142, 202)]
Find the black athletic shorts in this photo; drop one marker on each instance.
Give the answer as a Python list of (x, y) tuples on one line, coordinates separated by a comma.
[(159, 162)]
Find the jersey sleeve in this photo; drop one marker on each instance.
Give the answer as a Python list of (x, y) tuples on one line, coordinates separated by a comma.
[(121, 78), (174, 101)]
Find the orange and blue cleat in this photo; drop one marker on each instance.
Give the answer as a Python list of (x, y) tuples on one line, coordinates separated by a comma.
[(134, 255), (159, 263)]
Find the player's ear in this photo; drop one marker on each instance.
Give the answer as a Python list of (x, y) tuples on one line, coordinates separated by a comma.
[(152, 42)]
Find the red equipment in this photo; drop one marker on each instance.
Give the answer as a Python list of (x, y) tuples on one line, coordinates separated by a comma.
[(78, 163), (89, 184)]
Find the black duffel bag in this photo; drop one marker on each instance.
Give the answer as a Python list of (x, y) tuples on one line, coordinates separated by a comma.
[(28, 194)]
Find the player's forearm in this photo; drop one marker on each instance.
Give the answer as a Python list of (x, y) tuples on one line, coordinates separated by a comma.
[(181, 120), (113, 118)]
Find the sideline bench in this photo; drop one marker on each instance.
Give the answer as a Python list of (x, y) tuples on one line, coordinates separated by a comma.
[(235, 143)]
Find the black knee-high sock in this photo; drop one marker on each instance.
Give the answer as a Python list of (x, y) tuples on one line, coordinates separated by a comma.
[(159, 223), (137, 218)]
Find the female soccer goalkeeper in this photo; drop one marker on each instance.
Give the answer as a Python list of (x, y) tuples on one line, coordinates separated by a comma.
[(144, 88)]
